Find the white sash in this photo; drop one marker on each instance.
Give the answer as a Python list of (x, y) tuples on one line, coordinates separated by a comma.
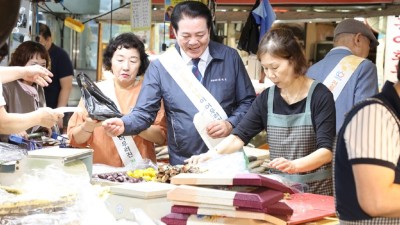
[(338, 77), (209, 108), (125, 145)]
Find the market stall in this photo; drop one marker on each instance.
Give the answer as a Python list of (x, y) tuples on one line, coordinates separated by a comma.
[(58, 183)]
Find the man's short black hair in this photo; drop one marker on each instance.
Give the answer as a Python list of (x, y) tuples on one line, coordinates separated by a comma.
[(44, 31), (191, 9)]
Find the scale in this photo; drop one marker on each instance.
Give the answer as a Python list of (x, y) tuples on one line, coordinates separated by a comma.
[(71, 160)]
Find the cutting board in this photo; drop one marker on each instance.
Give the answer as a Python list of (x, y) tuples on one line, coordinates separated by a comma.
[(246, 179), (239, 196), (229, 213), (278, 209), (187, 219), (309, 207), (306, 207)]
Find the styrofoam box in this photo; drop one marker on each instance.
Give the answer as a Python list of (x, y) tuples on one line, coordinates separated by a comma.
[(151, 197)]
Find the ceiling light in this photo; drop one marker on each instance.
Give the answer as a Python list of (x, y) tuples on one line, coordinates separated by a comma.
[(302, 10), (344, 10), (277, 10), (320, 10)]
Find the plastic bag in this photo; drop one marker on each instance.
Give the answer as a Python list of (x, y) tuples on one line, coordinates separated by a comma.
[(11, 152), (141, 165), (52, 195), (98, 105), (295, 186), (232, 163)]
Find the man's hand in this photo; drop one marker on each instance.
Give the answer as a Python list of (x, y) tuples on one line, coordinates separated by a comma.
[(113, 127), (37, 74), (219, 129)]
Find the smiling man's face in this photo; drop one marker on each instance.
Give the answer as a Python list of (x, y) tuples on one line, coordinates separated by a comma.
[(193, 36)]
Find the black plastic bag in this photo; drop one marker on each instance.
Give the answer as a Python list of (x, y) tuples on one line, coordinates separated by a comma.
[(98, 105)]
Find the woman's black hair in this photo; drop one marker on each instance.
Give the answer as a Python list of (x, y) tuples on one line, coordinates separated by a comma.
[(126, 40)]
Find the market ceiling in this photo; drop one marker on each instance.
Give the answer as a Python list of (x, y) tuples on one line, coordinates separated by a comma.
[(238, 10), (297, 2), (299, 10)]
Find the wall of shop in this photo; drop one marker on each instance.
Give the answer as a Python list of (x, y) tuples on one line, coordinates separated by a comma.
[(84, 47)]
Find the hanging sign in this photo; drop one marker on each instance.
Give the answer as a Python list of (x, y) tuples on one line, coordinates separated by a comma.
[(169, 6), (23, 19), (392, 54), (140, 14)]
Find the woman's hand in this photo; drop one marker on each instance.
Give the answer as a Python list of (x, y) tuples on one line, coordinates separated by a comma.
[(284, 165), (90, 124), (196, 159)]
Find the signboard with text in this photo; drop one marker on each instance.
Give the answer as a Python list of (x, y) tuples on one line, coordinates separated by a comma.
[(140, 14), (392, 53)]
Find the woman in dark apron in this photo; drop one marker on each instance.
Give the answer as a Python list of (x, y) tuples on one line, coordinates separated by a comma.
[(298, 114)]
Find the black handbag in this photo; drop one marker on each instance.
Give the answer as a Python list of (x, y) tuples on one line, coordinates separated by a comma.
[(98, 105)]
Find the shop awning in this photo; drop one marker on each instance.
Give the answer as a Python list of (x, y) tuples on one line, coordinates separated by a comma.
[(297, 2)]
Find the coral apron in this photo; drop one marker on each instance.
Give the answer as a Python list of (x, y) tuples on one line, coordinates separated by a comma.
[(293, 137)]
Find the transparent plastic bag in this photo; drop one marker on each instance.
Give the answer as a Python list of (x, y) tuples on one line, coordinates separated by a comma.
[(143, 164), (11, 152), (295, 186), (52, 196), (62, 217), (226, 164)]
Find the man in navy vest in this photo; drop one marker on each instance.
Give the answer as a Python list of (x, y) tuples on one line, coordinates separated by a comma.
[(367, 160)]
